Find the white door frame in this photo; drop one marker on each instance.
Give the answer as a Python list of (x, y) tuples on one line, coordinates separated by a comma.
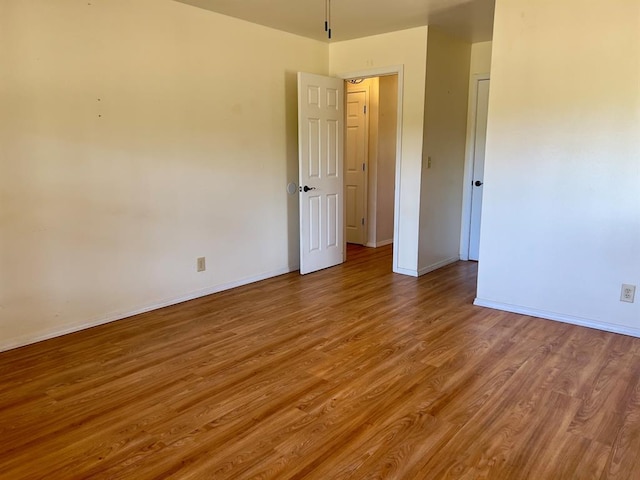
[(468, 163), (382, 72)]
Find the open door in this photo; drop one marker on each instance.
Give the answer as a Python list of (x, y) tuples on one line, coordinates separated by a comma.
[(480, 140), (320, 147)]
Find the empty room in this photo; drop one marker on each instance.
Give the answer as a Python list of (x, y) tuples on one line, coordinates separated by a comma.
[(202, 276)]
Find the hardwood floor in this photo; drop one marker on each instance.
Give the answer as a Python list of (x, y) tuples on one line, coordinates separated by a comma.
[(351, 372)]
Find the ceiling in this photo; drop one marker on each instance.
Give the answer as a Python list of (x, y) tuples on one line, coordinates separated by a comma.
[(471, 20)]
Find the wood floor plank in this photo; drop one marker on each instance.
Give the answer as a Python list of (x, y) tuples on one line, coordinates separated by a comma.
[(624, 462), (349, 373)]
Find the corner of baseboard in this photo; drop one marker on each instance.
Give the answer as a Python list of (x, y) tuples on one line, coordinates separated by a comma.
[(406, 271), (437, 265), (383, 243)]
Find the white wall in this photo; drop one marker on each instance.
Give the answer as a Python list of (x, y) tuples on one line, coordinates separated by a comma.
[(386, 168), (447, 88), (407, 48), (561, 211), (135, 137)]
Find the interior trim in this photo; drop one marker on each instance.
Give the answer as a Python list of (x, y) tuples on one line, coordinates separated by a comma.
[(559, 317)]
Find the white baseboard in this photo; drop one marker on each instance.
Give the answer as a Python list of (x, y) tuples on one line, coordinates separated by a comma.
[(379, 244), (406, 271), (425, 270), (46, 335), (383, 243), (437, 265), (558, 317)]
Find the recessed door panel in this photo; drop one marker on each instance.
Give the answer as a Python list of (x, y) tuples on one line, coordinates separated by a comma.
[(351, 158), (313, 96), (332, 99), (333, 153), (314, 143), (315, 217), (351, 214), (332, 221)]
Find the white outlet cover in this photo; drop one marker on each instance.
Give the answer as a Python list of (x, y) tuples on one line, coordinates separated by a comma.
[(628, 293)]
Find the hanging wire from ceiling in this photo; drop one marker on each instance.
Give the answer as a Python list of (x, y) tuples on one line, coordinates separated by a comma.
[(327, 18)]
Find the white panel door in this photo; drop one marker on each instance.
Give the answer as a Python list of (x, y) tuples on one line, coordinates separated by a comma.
[(320, 144), (356, 152), (480, 139)]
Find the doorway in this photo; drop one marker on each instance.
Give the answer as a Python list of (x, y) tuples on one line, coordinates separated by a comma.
[(356, 157), (474, 168), (371, 133), (321, 131)]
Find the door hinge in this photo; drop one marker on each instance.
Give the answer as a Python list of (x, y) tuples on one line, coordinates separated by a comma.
[(363, 167), (365, 109), (363, 221)]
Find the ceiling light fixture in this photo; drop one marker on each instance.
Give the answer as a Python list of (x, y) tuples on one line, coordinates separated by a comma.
[(327, 18)]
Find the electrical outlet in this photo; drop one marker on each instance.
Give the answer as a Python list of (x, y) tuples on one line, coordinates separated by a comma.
[(201, 264), (628, 293)]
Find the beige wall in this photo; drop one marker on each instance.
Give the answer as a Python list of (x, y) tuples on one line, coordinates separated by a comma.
[(135, 137), (386, 168), (480, 57), (409, 49), (561, 208), (447, 87)]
